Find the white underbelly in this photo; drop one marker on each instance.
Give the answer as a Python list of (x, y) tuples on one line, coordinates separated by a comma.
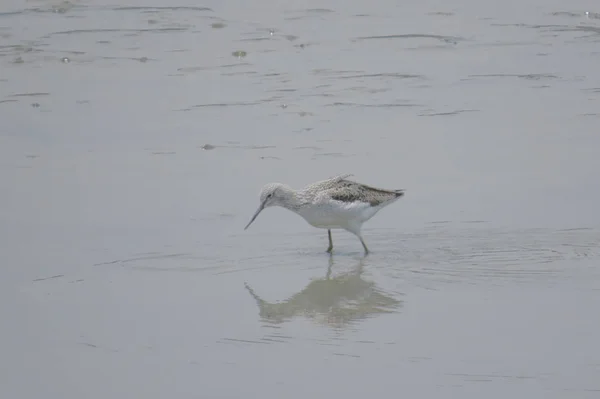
[(331, 217)]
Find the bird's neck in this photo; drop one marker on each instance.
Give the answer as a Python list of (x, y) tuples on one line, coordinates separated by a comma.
[(292, 199)]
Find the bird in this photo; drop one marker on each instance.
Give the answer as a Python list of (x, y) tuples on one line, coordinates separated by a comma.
[(334, 203)]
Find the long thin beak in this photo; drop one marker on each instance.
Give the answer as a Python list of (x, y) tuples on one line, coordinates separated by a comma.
[(259, 210)]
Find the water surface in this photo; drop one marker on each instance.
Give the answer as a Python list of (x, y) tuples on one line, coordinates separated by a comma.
[(136, 137)]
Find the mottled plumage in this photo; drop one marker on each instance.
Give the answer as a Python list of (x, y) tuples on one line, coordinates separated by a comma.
[(335, 203)]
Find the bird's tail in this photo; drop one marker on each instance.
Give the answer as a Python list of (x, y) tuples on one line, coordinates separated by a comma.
[(399, 193)]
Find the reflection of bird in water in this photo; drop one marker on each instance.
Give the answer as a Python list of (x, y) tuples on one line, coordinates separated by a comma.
[(336, 301), (334, 203)]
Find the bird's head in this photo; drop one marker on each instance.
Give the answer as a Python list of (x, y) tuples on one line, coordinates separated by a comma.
[(272, 194)]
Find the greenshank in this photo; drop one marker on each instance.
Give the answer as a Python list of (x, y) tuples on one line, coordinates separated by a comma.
[(335, 203)]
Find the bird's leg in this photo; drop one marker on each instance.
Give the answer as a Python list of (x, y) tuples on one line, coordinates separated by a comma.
[(364, 245), (330, 248)]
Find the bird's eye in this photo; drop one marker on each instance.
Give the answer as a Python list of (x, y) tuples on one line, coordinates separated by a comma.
[(270, 195)]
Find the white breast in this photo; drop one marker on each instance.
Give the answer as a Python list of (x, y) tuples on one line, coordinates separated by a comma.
[(337, 214)]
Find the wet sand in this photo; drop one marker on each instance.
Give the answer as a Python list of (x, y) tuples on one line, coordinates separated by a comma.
[(135, 139)]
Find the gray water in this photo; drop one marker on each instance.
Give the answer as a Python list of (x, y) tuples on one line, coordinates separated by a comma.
[(135, 138)]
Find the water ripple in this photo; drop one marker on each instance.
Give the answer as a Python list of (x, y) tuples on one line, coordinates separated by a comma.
[(445, 39)]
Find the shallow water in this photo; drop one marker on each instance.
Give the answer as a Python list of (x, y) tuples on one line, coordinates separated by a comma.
[(136, 137)]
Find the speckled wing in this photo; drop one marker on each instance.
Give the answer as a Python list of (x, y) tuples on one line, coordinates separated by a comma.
[(349, 191), (324, 185)]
